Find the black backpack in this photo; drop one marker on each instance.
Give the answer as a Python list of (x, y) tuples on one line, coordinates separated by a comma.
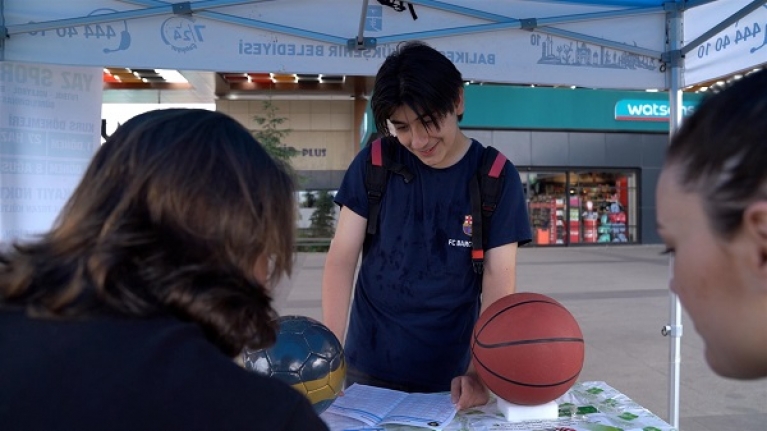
[(484, 189)]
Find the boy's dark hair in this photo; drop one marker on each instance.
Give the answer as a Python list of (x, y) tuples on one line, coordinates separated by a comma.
[(420, 77), (170, 218), (720, 151)]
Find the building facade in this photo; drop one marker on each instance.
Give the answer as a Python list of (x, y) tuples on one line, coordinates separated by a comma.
[(589, 160)]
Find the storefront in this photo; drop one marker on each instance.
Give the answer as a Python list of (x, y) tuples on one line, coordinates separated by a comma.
[(576, 207), (589, 159)]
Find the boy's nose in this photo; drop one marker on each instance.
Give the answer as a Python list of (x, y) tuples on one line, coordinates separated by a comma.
[(420, 137)]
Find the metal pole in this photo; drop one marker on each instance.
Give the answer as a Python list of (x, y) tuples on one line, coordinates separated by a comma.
[(673, 330), (3, 30), (359, 44), (363, 16)]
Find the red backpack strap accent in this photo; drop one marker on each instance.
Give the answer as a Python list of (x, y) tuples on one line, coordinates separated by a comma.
[(477, 249), (485, 191), (380, 163), (376, 154), (376, 177), (498, 164)]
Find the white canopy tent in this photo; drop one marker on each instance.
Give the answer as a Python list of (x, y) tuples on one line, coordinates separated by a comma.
[(588, 43), (620, 44)]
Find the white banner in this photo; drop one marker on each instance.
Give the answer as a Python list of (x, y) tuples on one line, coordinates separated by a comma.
[(50, 123), (740, 46), (298, 36)]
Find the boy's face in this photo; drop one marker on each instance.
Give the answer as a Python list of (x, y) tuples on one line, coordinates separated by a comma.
[(716, 280), (437, 145)]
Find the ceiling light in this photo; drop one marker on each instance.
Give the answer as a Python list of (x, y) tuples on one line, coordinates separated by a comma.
[(260, 78), (172, 76), (281, 78), (332, 79), (301, 77)]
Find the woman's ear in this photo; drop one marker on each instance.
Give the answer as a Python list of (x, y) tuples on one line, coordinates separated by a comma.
[(755, 227)]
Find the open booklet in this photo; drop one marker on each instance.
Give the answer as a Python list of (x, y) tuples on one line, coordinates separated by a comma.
[(366, 406)]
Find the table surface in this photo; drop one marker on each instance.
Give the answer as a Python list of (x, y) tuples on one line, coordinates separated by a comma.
[(587, 406)]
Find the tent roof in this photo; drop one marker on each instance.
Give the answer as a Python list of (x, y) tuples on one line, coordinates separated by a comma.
[(630, 3), (587, 43)]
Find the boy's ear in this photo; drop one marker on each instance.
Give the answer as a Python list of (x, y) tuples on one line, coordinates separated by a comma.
[(459, 106), (755, 226)]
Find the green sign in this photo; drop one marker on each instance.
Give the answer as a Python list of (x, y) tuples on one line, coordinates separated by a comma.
[(648, 110)]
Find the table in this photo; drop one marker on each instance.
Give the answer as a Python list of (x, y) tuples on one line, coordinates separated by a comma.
[(587, 406)]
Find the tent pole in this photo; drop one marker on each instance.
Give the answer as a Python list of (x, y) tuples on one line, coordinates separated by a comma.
[(3, 30), (363, 17), (674, 331), (674, 61)]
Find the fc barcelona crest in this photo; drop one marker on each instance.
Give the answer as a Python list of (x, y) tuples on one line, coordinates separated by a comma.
[(467, 225)]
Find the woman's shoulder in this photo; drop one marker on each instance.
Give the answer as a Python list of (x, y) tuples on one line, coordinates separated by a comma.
[(193, 371)]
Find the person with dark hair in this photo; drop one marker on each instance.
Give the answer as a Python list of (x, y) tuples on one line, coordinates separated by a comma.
[(417, 295), (128, 313), (712, 216)]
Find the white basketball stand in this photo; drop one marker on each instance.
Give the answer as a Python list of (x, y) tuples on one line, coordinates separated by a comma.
[(518, 413)]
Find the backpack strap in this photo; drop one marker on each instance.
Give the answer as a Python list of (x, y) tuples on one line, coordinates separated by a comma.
[(485, 191), (380, 163)]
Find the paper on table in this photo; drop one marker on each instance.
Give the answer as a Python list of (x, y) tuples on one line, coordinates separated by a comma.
[(429, 410), (377, 406), (342, 423)]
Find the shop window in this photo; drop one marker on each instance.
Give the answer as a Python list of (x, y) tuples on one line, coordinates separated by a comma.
[(546, 206), (315, 209), (582, 206), (603, 208)]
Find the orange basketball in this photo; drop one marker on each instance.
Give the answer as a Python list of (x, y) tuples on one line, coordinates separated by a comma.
[(527, 348)]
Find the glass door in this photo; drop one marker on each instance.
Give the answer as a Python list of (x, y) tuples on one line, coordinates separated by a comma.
[(604, 203), (546, 206)]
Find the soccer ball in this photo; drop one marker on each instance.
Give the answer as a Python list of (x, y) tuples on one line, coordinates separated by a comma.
[(307, 355)]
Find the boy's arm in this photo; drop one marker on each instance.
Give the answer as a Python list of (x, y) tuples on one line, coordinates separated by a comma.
[(500, 275), (340, 266), (498, 280)]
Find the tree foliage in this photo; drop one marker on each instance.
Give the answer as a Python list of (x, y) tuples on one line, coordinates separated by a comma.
[(270, 133), (323, 218)]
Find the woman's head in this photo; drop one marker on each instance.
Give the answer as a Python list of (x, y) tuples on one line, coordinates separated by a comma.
[(721, 151), (178, 212), (712, 213)]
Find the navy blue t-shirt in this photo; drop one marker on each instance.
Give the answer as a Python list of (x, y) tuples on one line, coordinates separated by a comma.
[(417, 297)]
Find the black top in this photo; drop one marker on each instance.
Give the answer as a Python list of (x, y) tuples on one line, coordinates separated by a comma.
[(112, 373)]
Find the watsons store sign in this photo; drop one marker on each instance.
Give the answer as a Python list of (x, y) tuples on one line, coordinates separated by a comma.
[(648, 110)]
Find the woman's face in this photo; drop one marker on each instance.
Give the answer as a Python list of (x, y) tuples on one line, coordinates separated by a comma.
[(262, 270), (717, 282)]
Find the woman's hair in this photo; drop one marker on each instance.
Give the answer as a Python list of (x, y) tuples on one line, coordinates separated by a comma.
[(720, 152), (170, 217), (420, 77)]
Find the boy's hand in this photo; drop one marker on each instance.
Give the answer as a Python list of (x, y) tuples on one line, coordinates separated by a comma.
[(467, 391)]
